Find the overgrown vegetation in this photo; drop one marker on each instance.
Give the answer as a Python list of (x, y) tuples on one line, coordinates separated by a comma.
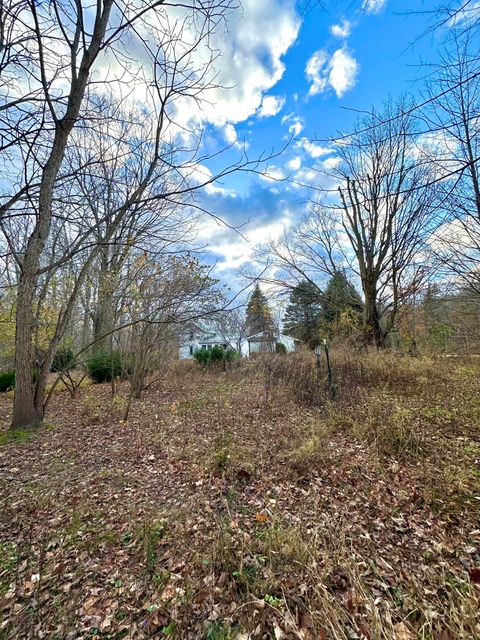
[(216, 354), (239, 504), (105, 366), (64, 360), (7, 380)]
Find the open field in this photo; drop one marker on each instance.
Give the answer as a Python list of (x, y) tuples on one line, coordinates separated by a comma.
[(247, 504)]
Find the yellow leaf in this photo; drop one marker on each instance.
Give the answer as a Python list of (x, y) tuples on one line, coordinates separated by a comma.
[(261, 517)]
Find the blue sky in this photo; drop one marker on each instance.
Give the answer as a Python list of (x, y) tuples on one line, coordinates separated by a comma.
[(301, 76)]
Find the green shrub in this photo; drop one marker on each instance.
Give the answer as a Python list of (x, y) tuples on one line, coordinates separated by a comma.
[(231, 355), (63, 360), (202, 356), (215, 354), (7, 380), (280, 348), (104, 365)]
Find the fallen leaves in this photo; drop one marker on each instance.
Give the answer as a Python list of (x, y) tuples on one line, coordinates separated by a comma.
[(261, 517), (474, 574), (344, 549), (402, 632)]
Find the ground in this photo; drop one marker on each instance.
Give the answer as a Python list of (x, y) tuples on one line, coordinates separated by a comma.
[(237, 505)]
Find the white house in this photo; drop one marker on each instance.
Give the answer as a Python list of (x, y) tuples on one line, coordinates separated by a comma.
[(246, 346)]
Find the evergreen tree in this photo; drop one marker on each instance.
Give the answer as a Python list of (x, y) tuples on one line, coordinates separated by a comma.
[(259, 316), (303, 314), (340, 295)]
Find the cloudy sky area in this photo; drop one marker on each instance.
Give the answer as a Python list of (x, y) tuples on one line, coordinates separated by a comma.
[(300, 76)]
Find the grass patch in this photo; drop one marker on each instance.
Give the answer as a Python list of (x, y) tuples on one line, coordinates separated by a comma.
[(219, 630), (152, 533), (313, 454), (16, 435)]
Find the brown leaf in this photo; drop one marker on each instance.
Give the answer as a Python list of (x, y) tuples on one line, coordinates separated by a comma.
[(307, 620), (443, 635), (402, 632), (474, 574), (261, 517), (89, 603)]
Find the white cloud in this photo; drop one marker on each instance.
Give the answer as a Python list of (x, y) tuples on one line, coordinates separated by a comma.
[(200, 174), (341, 30), (308, 177), (317, 72), (338, 72), (271, 105), (230, 133), (273, 174), (467, 14), (295, 163), (331, 163), (231, 136), (296, 127), (314, 150), (318, 175), (252, 47), (251, 61), (296, 124), (343, 71), (237, 253), (373, 6)]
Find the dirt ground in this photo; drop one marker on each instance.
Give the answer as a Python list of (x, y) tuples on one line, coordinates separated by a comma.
[(214, 513)]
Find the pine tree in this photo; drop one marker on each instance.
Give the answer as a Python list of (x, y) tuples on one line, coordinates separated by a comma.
[(340, 295), (303, 314), (259, 316)]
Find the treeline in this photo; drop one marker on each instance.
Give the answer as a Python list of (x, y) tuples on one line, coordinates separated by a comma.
[(403, 208), (436, 320)]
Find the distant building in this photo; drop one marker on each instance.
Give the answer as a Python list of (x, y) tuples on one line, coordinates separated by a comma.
[(262, 342)]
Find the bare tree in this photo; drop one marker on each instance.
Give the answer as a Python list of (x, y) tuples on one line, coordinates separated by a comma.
[(158, 300), (231, 326), (455, 153), (377, 229), (55, 75), (387, 213)]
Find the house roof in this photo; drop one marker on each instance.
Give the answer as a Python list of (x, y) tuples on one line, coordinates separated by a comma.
[(274, 336)]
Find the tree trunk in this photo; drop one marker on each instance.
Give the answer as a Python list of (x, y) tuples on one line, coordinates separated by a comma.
[(372, 330), (103, 322), (25, 413), (86, 334)]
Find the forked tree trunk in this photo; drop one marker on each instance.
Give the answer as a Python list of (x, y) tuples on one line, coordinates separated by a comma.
[(25, 411), (28, 405), (372, 329)]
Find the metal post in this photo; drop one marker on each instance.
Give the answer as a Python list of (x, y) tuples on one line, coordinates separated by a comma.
[(329, 368)]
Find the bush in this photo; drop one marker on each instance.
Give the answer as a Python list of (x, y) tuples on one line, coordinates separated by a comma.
[(63, 360), (231, 355), (7, 380), (104, 365), (280, 348), (202, 356), (215, 354)]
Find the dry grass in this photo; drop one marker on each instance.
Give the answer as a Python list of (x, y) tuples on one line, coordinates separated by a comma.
[(250, 504)]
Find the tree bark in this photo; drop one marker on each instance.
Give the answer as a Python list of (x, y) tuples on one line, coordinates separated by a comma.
[(25, 413), (28, 411), (372, 329)]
